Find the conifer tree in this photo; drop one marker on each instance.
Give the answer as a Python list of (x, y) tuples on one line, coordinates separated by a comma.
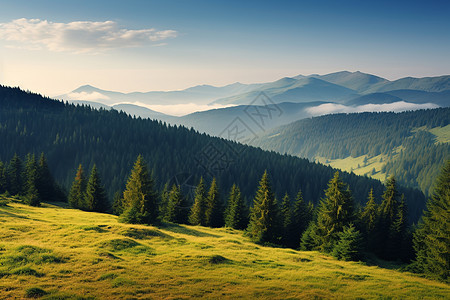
[(117, 205), (369, 221), (14, 176), (432, 238), (164, 201), (95, 197), (45, 183), (236, 213), (348, 246), (286, 221), (301, 217), (309, 240), (78, 189), (32, 196), (335, 212), (400, 238), (213, 211), (177, 206), (140, 194), (197, 215), (262, 227)]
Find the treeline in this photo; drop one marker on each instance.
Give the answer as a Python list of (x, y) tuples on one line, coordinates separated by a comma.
[(31, 179), (343, 135), (71, 135)]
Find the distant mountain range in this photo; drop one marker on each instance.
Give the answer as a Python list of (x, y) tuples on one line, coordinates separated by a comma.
[(289, 99)]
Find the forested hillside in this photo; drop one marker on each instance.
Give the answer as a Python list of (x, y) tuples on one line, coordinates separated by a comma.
[(406, 145), (71, 135)]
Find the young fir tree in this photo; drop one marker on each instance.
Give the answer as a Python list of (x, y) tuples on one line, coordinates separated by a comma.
[(236, 214), (95, 197), (301, 217), (213, 211), (32, 196), (197, 215), (117, 204), (177, 206), (387, 212), (286, 221), (140, 196), (78, 189), (348, 246), (164, 201), (14, 176), (335, 212), (432, 238), (262, 227), (309, 240), (45, 183), (369, 221)]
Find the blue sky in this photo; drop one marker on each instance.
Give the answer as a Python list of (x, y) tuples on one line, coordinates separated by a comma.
[(165, 45)]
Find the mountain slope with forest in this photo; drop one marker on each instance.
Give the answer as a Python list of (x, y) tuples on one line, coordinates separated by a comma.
[(71, 135), (400, 144)]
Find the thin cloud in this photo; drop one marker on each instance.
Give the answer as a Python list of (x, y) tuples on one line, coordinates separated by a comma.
[(332, 108), (94, 96), (78, 37)]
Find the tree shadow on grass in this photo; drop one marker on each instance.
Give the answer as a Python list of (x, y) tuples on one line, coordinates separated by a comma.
[(175, 228)]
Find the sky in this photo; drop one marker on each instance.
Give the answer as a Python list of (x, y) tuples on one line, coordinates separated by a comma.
[(53, 47)]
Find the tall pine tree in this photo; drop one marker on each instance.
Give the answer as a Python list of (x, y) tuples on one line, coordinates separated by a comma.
[(177, 206), (286, 221), (32, 196), (301, 217), (3, 182), (369, 222), (214, 209), (78, 189), (335, 212), (140, 196), (236, 213), (263, 215), (197, 215), (14, 175), (432, 238), (95, 197)]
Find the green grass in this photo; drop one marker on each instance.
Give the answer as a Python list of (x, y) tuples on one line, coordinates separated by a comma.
[(55, 253)]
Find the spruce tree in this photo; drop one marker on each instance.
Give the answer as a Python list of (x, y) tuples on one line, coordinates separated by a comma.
[(177, 206), (309, 240), (369, 221), (46, 184), (432, 238), (163, 201), (140, 195), (286, 221), (32, 196), (95, 197), (301, 217), (78, 190), (236, 213), (262, 227), (348, 246), (197, 215), (15, 176), (214, 210), (117, 205), (335, 212)]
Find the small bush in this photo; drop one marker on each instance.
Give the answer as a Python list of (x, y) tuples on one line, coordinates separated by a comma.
[(27, 271), (35, 292), (218, 259)]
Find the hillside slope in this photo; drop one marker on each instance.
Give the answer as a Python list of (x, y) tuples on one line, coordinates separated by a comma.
[(92, 256)]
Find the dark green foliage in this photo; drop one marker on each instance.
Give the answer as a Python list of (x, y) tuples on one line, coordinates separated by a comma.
[(309, 240), (335, 211), (3, 182), (78, 190), (197, 215), (214, 208), (369, 221), (263, 215), (348, 246), (236, 213), (285, 220), (46, 185), (117, 205), (164, 201), (95, 197), (301, 217), (177, 208), (140, 193), (31, 176), (14, 175), (35, 292), (432, 238)]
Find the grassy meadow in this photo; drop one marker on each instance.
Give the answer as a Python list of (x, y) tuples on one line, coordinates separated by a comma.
[(57, 253)]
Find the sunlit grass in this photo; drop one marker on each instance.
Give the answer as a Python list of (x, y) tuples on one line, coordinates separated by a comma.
[(65, 253)]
